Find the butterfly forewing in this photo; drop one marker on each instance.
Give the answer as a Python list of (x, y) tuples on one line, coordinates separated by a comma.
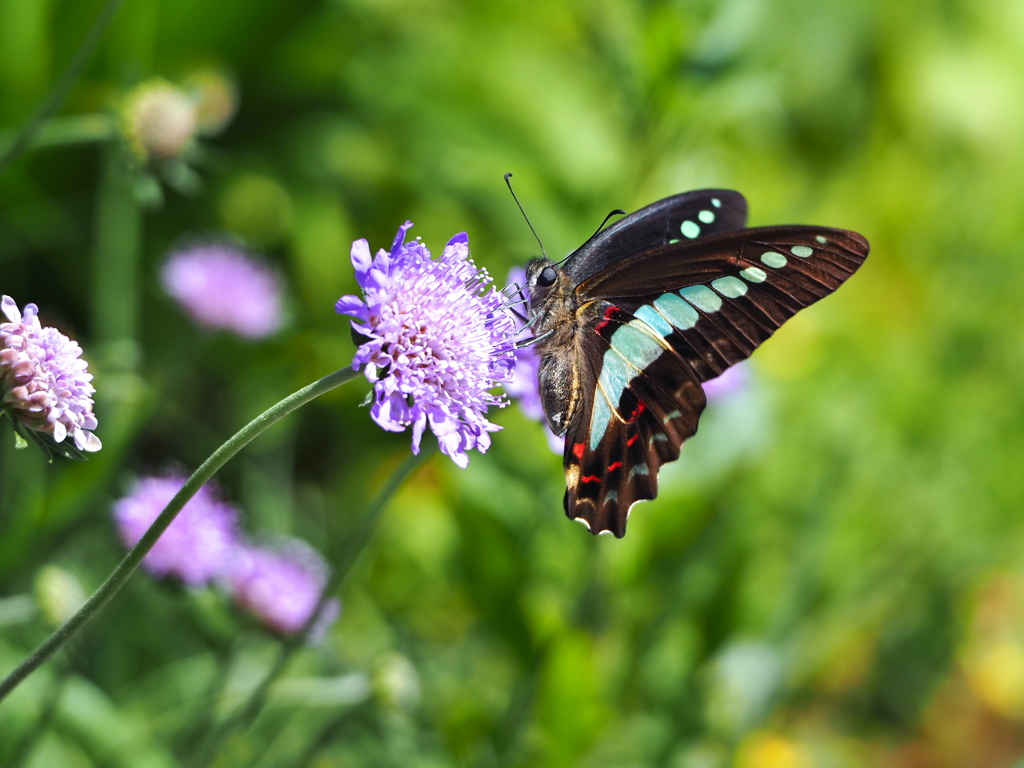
[(677, 219), (736, 288)]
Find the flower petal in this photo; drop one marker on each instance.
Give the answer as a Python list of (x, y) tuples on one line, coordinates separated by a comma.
[(361, 259), (352, 305), (10, 309)]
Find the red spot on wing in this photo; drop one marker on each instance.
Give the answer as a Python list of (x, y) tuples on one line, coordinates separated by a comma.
[(578, 449), (638, 410), (590, 479), (633, 439), (614, 465), (608, 313)]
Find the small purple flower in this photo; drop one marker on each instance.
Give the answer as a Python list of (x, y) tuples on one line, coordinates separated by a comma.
[(45, 385), (435, 339), (222, 287), (524, 384), (281, 585), (733, 380), (196, 547)]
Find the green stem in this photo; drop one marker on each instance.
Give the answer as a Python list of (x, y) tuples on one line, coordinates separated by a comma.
[(60, 90), (131, 561), (74, 129), (117, 253), (343, 559)]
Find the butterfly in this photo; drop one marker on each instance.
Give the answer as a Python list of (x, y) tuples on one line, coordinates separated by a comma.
[(631, 324)]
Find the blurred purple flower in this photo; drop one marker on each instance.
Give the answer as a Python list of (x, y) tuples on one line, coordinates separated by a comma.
[(734, 380), (434, 339), (281, 585), (196, 547), (222, 287), (524, 385), (45, 384)]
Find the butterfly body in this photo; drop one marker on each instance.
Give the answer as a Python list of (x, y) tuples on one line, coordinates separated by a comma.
[(557, 310), (631, 324)]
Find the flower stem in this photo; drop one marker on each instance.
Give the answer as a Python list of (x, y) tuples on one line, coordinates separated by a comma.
[(65, 131), (60, 90), (131, 561), (117, 254), (343, 560)]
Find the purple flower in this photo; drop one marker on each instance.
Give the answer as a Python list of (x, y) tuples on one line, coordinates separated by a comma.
[(281, 586), (524, 384), (435, 339), (45, 384), (733, 380), (221, 287), (196, 547)]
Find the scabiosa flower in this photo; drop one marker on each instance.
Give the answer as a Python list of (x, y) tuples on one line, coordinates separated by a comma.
[(524, 386), (434, 339), (221, 287), (45, 385), (197, 546), (281, 585), (159, 120)]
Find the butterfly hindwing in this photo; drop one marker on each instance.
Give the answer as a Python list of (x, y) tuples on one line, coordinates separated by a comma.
[(646, 403)]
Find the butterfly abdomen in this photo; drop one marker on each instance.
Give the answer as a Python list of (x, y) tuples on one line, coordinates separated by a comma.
[(562, 377)]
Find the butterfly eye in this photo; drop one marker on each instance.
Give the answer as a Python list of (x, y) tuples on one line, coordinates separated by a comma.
[(546, 277)]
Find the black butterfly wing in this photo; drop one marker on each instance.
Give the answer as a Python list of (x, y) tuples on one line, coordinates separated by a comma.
[(738, 287), (636, 420), (677, 219), (649, 348)]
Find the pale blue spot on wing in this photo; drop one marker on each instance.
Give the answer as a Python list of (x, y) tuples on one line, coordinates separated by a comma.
[(611, 496), (599, 419), (639, 348), (821, 239), (730, 286), (702, 297), (753, 274), (615, 375), (716, 202), (669, 416), (773, 259), (673, 241), (706, 216), (639, 469), (690, 229), (659, 324), (676, 311), (803, 251)]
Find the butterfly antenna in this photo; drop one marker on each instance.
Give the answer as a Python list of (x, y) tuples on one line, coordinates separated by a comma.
[(616, 212), (509, 184)]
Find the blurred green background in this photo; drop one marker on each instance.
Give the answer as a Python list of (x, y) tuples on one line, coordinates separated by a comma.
[(833, 574)]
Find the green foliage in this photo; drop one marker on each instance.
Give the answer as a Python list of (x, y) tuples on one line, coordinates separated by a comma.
[(831, 574)]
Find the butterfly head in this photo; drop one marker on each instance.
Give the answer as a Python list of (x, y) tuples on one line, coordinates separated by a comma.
[(541, 276), (545, 283)]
